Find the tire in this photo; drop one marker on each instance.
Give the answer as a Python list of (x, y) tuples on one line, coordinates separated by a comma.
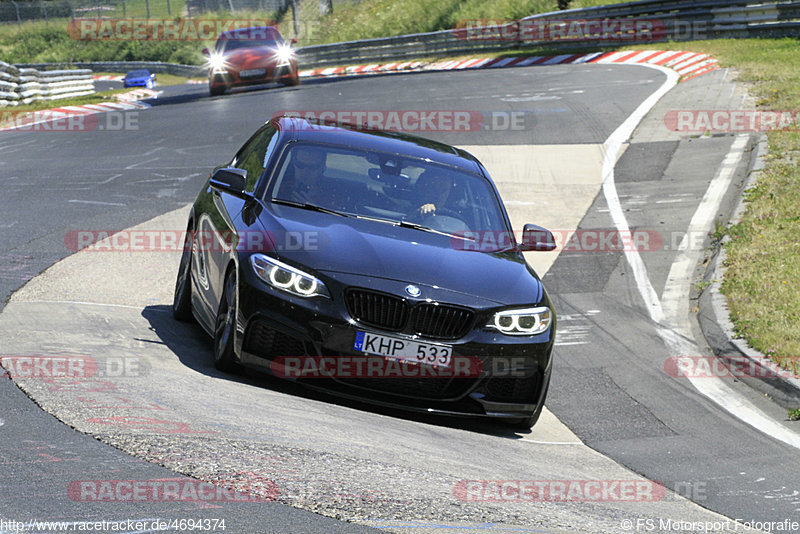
[(525, 423), (217, 90), (225, 325), (182, 299), (291, 81)]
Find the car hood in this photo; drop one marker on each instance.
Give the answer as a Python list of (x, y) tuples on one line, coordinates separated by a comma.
[(334, 244)]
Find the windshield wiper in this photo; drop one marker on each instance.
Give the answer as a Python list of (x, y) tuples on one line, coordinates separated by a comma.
[(416, 226), (307, 206), (401, 223)]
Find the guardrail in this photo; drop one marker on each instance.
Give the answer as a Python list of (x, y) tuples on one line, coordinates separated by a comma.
[(19, 85), (157, 67), (676, 20)]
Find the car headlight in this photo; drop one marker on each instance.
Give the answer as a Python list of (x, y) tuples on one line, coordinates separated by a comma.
[(217, 63), (287, 278), (284, 54), (523, 322)]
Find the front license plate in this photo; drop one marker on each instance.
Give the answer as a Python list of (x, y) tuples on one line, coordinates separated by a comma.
[(403, 349), (251, 72)]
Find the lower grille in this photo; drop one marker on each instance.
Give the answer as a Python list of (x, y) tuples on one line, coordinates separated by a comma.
[(266, 342)]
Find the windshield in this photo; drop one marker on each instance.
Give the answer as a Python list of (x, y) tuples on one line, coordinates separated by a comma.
[(138, 73), (386, 186), (237, 44)]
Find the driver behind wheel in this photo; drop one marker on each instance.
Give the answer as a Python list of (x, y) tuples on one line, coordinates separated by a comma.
[(305, 173), (433, 188)]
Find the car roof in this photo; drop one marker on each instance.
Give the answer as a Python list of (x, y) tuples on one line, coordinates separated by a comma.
[(347, 135)]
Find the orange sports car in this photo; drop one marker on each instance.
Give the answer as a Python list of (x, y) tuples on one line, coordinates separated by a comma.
[(249, 56)]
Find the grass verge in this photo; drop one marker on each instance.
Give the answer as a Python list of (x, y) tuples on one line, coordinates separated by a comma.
[(41, 42), (383, 18)]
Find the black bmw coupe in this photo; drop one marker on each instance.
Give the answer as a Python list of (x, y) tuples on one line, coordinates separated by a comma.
[(374, 265)]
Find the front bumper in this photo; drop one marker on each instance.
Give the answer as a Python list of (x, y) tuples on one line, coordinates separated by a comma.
[(272, 74)]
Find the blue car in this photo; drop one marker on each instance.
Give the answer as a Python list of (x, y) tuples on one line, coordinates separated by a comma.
[(140, 78)]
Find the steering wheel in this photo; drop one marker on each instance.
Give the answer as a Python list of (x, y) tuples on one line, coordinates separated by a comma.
[(445, 220), (446, 212)]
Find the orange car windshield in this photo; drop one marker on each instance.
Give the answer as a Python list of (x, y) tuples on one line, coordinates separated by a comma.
[(237, 44)]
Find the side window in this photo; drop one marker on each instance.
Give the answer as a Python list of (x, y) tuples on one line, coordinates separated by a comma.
[(253, 155), (270, 149)]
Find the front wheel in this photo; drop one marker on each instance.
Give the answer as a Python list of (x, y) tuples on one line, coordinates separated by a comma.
[(292, 80), (524, 423), (182, 299), (216, 90), (225, 325)]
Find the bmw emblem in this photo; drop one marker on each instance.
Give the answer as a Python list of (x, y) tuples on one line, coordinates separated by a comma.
[(414, 291)]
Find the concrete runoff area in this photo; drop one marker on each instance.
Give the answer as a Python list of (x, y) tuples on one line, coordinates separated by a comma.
[(565, 179)]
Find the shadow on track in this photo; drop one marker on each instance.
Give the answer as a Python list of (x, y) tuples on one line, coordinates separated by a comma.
[(192, 346)]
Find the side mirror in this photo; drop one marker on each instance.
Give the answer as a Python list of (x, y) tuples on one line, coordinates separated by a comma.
[(230, 180), (537, 238), (205, 52)]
